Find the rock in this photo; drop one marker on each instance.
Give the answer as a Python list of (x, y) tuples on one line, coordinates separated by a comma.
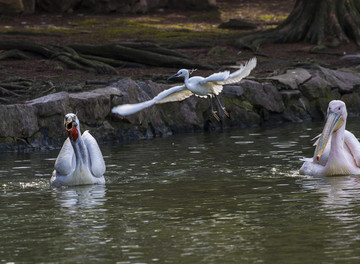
[(39, 122), (292, 78), (289, 95), (18, 121), (315, 87), (9, 7), (57, 6), (263, 95), (354, 58), (352, 102), (50, 104), (237, 23), (233, 90), (90, 107), (343, 80)]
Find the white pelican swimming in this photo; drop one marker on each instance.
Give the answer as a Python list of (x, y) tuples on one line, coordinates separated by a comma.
[(342, 155), (80, 160), (210, 86)]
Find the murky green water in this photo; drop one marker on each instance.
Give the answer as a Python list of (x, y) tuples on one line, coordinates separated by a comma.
[(231, 197)]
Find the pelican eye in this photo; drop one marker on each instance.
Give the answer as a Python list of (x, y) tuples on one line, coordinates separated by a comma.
[(68, 125)]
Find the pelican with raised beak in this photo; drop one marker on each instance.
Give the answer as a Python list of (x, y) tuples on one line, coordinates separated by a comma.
[(80, 160), (337, 150)]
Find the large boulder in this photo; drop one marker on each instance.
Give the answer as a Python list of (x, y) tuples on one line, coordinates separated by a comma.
[(315, 87), (292, 78), (263, 95), (343, 80), (18, 121)]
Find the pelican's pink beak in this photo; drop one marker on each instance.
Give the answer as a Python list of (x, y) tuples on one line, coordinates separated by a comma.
[(333, 123)]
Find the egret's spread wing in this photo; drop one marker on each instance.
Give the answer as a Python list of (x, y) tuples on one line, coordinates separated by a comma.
[(175, 97), (97, 164), (354, 146), (128, 109), (216, 77), (65, 161), (241, 73)]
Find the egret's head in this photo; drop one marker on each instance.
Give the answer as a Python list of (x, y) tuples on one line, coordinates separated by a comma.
[(180, 73), (336, 118), (72, 126)]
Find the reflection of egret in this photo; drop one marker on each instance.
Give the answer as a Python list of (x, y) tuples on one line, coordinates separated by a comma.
[(342, 156), (80, 160), (204, 87)]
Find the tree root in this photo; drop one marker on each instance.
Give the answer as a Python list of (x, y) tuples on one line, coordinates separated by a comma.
[(316, 22), (102, 59)]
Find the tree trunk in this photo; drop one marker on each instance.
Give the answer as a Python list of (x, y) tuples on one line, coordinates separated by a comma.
[(314, 21)]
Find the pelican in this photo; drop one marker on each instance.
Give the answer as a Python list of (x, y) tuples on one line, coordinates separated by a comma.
[(342, 155), (210, 86), (80, 160)]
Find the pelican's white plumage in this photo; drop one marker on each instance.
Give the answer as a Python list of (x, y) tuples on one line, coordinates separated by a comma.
[(80, 160), (200, 86), (337, 150)]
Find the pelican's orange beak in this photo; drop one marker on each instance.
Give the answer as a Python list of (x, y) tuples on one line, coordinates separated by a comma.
[(333, 123)]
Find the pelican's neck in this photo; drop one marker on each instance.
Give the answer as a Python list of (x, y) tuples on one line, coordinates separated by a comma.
[(80, 151)]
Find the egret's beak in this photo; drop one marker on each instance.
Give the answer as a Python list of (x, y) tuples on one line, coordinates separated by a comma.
[(175, 75), (333, 123), (68, 125)]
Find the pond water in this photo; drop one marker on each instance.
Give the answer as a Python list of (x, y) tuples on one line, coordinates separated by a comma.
[(229, 197)]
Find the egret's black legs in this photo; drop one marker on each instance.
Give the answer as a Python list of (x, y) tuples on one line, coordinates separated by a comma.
[(222, 107), (212, 109)]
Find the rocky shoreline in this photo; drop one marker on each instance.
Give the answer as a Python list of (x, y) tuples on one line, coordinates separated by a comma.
[(299, 95)]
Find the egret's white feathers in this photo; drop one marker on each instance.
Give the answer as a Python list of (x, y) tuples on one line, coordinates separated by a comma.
[(216, 77), (217, 89), (128, 109), (243, 72), (175, 97)]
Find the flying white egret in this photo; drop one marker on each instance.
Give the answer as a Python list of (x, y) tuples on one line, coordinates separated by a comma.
[(80, 160), (342, 155), (210, 86)]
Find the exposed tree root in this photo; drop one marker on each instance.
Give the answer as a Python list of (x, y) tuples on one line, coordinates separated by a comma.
[(316, 22), (102, 59)]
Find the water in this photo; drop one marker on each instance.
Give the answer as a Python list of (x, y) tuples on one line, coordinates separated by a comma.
[(231, 197)]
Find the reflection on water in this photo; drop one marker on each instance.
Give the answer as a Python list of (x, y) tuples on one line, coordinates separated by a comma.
[(231, 197)]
